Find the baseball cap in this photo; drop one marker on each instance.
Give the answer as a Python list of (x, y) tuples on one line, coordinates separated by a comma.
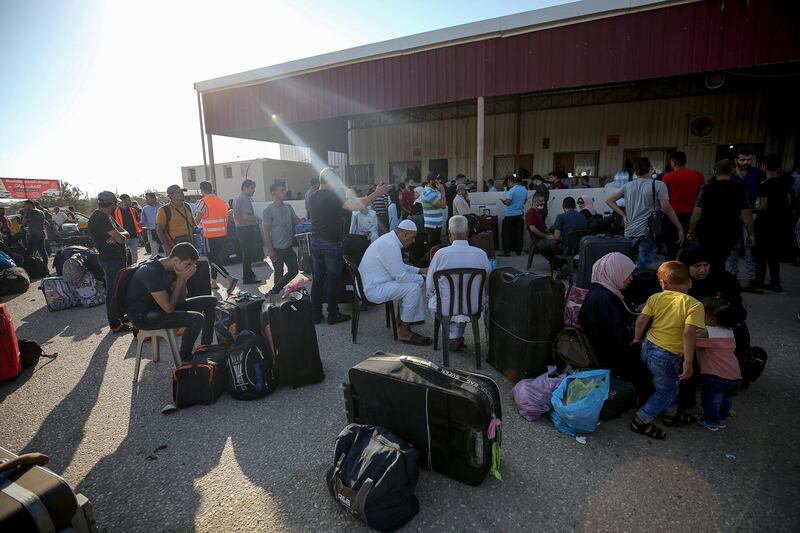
[(107, 197), (175, 188)]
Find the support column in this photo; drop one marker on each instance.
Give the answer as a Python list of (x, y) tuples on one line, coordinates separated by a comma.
[(479, 136), (202, 131), (213, 175)]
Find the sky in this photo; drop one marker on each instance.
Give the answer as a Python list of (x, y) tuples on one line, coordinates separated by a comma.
[(100, 93)]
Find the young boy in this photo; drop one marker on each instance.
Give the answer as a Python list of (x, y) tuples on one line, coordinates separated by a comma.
[(669, 347), (719, 368)]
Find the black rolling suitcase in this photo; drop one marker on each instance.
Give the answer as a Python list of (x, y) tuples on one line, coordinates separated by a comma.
[(33, 498), (526, 312), (237, 314), (289, 328), (451, 416), (200, 283), (592, 248)]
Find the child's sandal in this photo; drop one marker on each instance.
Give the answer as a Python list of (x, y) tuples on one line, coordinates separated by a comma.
[(678, 419), (648, 430)]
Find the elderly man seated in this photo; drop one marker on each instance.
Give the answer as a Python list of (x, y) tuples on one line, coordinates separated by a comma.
[(458, 255), (387, 278)]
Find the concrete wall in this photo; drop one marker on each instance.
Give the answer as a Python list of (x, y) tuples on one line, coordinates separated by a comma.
[(740, 118)]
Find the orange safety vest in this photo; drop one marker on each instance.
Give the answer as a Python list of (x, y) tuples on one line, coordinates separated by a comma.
[(118, 217), (215, 219)]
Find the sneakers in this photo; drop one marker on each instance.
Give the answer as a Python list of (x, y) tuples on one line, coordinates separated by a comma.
[(710, 427), (337, 319)]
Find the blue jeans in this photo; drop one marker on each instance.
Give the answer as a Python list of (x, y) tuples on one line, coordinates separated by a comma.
[(732, 265), (666, 368), (111, 269), (645, 251), (718, 396), (328, 264)]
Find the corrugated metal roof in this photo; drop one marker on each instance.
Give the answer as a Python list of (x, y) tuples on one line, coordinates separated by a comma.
[(674, 40)]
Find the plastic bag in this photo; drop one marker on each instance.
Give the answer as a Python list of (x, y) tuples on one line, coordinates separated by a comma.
[(572, 305), (532, 396), (582, 415)]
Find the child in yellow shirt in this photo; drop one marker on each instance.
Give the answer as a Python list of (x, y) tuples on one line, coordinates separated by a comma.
[(668, 349)]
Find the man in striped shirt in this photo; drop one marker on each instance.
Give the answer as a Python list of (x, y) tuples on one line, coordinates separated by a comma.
[(433, 202)]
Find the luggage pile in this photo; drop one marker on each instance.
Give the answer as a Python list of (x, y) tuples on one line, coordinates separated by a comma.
[(80, 280), (17, 269), (404, 411)]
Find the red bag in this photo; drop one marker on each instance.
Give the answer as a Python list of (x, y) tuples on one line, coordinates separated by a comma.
[(10, 364)]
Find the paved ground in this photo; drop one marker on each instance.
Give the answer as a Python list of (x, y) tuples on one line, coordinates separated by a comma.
[(259, 466)]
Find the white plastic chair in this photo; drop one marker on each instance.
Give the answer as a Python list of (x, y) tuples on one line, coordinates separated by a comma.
[(154, 335)]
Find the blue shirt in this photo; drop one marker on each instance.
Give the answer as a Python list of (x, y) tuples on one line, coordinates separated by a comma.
[(518, 195), (570, 220), (148, 217), (433, 215), (750, 181)]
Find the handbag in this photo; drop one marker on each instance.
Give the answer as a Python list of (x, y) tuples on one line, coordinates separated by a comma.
[(658, 223)]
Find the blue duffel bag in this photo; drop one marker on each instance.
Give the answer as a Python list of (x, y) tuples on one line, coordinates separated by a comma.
[(578, 410)]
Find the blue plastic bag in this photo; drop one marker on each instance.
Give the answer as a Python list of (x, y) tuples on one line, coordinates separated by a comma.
[(581, 416)]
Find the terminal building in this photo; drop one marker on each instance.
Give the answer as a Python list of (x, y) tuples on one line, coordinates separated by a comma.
[(579, 87)]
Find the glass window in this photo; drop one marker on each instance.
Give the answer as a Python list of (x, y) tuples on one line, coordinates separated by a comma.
[(400, 170), (360, 174)]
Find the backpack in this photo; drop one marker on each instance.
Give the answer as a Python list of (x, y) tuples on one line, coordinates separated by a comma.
[(118, 308), (752, 362), (30, 352), (35, 267), (13, 280), (73, 269), (373, 477), (571, 348), (250, 367)]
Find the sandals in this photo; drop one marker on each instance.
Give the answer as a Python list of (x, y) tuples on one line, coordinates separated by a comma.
[(417, 340), (648, 430), (678, 419)]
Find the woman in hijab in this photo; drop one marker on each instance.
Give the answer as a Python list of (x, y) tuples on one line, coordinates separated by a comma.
[(586, 206), (607, 321)]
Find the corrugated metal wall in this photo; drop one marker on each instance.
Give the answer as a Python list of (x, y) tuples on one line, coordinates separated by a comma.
[(740, 118)]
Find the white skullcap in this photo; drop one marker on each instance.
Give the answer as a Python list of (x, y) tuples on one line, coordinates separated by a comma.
[(407, 225)]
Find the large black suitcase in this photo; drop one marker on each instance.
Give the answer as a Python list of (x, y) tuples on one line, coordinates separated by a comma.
[(91, 260), (33, 498), (526, 312), (200, 283), (237, 314), (592, 248), (451, 416), (294, 342)]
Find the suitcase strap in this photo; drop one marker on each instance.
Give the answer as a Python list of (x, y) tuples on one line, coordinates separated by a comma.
[(523, 339), (352, 500), (31, 502)]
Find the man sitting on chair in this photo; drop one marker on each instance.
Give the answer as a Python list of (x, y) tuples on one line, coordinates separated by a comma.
[(567, 221), (387, 278), (458, 255), (157, 298)]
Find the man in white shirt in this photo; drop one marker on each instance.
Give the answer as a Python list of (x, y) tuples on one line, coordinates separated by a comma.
[(386, 278), (365, 222), (458, 255), (59, 217)]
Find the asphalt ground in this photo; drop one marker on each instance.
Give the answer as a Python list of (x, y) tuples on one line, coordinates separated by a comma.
[(260, 465)]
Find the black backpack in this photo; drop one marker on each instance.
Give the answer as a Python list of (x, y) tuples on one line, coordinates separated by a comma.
[(30, 352), (13, 280), (35, 267), (572, 349), (752, 362), (373, 476), (250, 367)]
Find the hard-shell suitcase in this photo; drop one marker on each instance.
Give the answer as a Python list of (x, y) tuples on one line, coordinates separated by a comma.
[(33, 498), (490, 223), (10, 363), (451, 416), (237, 314), (294, 340), (484, 241), (58, 294), (526, 312), (592, 248), (200, 283)]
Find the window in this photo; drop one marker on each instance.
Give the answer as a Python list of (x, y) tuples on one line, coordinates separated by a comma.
[(659, 157), (360, 174), (227, 171), (437, 167), (399, 171), (192, 174), (504, 165), (576, 163)]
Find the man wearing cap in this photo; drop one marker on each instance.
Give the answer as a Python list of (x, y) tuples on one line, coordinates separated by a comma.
[(174, 222), (458, 255), (109, 239), (386, 278)]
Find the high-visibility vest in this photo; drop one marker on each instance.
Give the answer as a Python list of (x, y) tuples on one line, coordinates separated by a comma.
[(118, 217), (215, 218)]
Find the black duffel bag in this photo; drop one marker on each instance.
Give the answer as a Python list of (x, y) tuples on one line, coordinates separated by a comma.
[(373, 476)]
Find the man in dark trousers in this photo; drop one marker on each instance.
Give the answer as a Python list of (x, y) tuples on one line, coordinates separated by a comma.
[(513, 224), (748, 176), (126, 216), (773, 223), (109, 239), (247, 230), (684, 185)]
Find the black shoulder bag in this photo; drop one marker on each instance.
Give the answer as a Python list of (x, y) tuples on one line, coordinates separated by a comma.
[(658, 223)]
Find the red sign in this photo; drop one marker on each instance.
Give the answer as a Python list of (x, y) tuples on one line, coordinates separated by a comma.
[(25, 188)]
